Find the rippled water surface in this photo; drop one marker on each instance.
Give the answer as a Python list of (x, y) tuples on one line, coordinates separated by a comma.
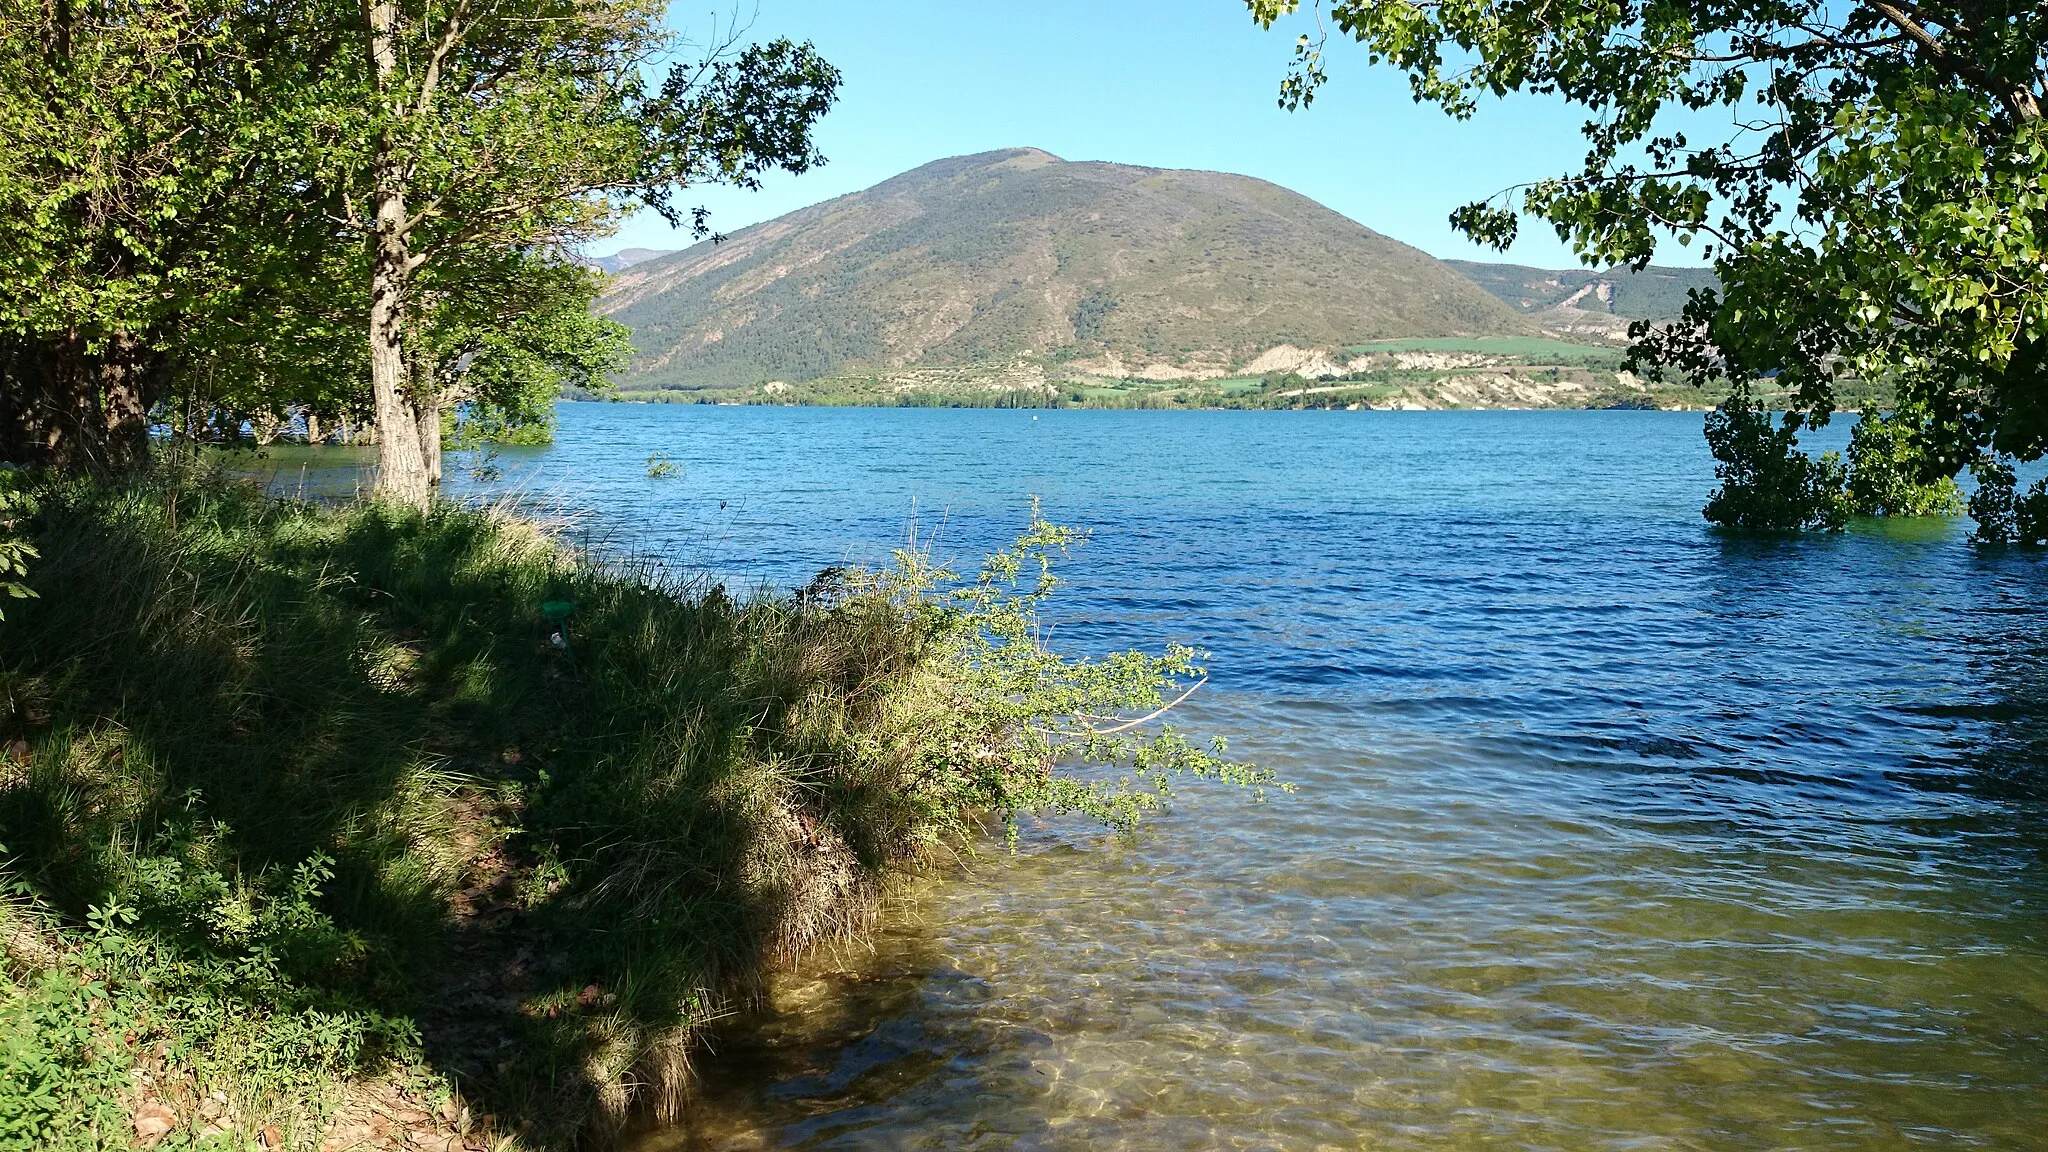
[(1610, 833)]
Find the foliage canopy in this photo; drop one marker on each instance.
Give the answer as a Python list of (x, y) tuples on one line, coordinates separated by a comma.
[(220, 209), (1877, 209)]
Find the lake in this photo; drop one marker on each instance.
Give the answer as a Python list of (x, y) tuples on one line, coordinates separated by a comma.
[(1610, 833)]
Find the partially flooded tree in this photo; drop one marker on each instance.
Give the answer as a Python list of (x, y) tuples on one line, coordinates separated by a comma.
[(528, 127), (504, 343), (1873, 207), (198, 197)]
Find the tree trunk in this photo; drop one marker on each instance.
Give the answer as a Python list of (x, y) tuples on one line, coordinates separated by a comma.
[(69, 405), (426, 398), (402, 472), (405, 474), (428, 413)]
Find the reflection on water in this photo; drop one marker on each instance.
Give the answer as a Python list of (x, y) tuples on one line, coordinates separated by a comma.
[(1610, 834), (302, 472)]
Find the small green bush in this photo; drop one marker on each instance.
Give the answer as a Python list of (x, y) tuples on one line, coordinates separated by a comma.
[(2003, 513), (15, 552), (1887, 472), (1767, 483), (202, 983)]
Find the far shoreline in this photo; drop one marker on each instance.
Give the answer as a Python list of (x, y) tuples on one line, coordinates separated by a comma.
[(788, 405)]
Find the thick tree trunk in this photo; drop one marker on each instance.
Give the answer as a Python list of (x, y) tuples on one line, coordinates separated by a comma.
[(407, 467), (426, 394), (74, 404), (403, 474)]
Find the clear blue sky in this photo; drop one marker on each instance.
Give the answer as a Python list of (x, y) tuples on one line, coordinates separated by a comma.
[(1166, 83)]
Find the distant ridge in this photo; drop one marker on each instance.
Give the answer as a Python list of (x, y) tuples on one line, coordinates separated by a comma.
[(984, 259), (1584, 302), (625, 258)]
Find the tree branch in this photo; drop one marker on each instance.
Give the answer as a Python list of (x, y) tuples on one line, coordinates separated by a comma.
[(2018, 101), (451, 35)]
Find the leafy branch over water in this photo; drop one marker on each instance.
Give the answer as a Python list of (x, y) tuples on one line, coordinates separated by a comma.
[(1025, 710)]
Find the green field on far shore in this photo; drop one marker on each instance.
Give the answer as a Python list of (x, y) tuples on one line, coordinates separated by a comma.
[(1523, 347)]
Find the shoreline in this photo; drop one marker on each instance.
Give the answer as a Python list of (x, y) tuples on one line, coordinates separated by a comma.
[(346, 826), (549, 869)]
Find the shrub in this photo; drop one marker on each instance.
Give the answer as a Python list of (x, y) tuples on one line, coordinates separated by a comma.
[(2004, 515), (15, 552), (1887, 472), (1767, 483), (152, 1007)]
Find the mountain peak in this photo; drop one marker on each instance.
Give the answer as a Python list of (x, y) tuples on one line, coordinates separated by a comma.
[(1017, 253), (1022, 159)]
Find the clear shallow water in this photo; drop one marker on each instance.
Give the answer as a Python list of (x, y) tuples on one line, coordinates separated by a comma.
[(1611, 834)]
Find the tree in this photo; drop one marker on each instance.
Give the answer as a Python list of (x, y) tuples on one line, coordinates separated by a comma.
[(503, 346), (1885, 470), (1877, 211), (153, 171), (2004, 514), (498, 338), (1767, 483), (528, 126), (194, 195)]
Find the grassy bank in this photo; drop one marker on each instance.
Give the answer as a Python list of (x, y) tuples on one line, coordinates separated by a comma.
[(350, 826)]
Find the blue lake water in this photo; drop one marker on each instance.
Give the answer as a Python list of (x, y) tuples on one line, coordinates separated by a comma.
[(1611, 833)]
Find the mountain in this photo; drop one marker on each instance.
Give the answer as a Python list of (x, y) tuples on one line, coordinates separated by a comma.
[(1583, 302), (1016, 255), (625, 258)]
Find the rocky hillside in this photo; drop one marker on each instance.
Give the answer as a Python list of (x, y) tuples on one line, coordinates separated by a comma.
[(1583, 303), (983, 260)]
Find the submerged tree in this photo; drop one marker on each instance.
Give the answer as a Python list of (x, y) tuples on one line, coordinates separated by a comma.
[(1888, 469), (1875, 211), (1767, 483), (2004, 513)]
